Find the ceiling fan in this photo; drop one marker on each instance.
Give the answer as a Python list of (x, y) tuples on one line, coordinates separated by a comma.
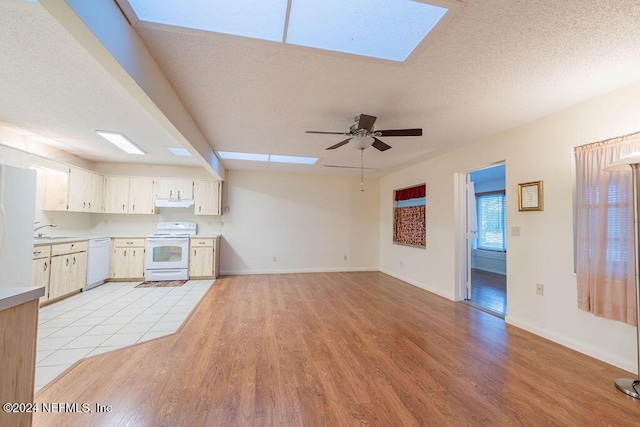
[(362, 135)]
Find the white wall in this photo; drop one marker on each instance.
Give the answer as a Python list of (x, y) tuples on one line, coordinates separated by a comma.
[(308, 222), (540, 150)]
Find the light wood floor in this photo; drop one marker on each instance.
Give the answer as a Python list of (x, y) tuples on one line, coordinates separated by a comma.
[(489, 291), (341, 349)]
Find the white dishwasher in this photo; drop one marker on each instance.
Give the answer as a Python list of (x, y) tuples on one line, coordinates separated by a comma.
[(98, 251)]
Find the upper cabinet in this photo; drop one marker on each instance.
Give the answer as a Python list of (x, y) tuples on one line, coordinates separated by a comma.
[(174, 189), (77, 190), (206, 196), (133, 195)]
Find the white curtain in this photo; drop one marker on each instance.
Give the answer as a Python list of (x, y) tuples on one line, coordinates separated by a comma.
[(605, 256)]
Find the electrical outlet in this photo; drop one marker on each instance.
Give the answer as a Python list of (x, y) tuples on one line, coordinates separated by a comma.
[(275, 258), (345, 257), (515, 231), (539, 289)]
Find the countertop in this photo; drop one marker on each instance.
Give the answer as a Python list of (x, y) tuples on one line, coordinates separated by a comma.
[(52, 240), (13, 296)]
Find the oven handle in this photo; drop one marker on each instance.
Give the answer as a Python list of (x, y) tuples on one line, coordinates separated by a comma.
[(167, 239)]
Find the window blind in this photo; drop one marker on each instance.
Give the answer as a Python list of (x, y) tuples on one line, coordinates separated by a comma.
[(492, 219)]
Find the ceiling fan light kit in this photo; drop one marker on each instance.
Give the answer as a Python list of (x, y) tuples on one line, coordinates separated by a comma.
[(361, 136)]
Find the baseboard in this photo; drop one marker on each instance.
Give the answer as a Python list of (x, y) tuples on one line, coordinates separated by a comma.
[(420, 285), (598, 353), (297, 270)]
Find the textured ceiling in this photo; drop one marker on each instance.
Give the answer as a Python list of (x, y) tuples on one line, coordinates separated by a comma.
[(51, 86), (496, 65)]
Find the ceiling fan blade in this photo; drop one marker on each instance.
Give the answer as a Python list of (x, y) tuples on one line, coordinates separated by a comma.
[(366, 122), (380, 145), (339, 144), (326, 133), (400, 132)]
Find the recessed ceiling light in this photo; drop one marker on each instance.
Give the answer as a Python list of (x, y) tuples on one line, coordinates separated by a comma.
[(254, 157), (179, 151), (121, 141), (293, 159)]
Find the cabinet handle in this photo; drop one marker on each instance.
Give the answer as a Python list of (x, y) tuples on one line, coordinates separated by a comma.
[(125, 253), (123, 206), (199, 208), (84, 204), (67, 263), (37, 252), (195, 252), (74, 260), (171, 194), (134, 207), (89, 205), (134, 252), (45, 266), (178, 194)]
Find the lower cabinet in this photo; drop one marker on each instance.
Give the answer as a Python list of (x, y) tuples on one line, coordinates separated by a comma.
[(204, 257), (41, 269), (68, 268), (127, 260)]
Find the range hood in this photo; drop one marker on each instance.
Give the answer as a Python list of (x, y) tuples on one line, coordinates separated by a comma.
[(174, 203)]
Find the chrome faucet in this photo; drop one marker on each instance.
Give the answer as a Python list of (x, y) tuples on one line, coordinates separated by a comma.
[(43, 226)]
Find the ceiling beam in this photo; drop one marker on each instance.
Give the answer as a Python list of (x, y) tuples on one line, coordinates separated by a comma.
[(101, 28)]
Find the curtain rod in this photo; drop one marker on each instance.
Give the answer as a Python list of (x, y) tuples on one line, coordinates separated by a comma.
[(610, 141)]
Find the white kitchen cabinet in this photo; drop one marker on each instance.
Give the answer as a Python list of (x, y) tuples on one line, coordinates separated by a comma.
[(78, 190), (127, 260), (116, 194), (131, 195), (204, 257), (41, 269), (56, 190), (173, 189), (68, 268), (141, 195), (207, 197)]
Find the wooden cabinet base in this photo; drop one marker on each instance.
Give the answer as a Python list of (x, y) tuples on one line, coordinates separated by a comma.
[(17, 370)]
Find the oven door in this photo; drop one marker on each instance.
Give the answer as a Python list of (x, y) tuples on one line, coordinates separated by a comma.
[(167, 253)]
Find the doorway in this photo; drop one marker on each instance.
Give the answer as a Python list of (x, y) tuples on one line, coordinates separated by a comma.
[(486, 286)]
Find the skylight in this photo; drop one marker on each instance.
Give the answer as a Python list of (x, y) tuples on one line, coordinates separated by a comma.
[(274, 158), (376, 28), (179, 151)]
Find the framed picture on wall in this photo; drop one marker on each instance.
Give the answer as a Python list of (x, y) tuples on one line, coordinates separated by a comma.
[(530, 196)]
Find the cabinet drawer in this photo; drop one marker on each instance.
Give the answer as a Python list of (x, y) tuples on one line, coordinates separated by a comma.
[(196, 243), (41, 252), (128, 243), (68, 248)]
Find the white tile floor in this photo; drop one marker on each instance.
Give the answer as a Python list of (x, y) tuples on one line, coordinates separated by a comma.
[(106, 318)]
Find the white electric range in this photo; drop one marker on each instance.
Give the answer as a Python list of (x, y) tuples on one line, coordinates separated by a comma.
[(167, 251)]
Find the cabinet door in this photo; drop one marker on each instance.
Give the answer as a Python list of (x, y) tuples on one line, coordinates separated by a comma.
[(201, 262), (78, 273), (94, 195), (58, 283), (120, 263), (173, 189), (141, 195), (116, 194), (40, 276), (206, 195), (135, 263), (56, 190), (79, 189)]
